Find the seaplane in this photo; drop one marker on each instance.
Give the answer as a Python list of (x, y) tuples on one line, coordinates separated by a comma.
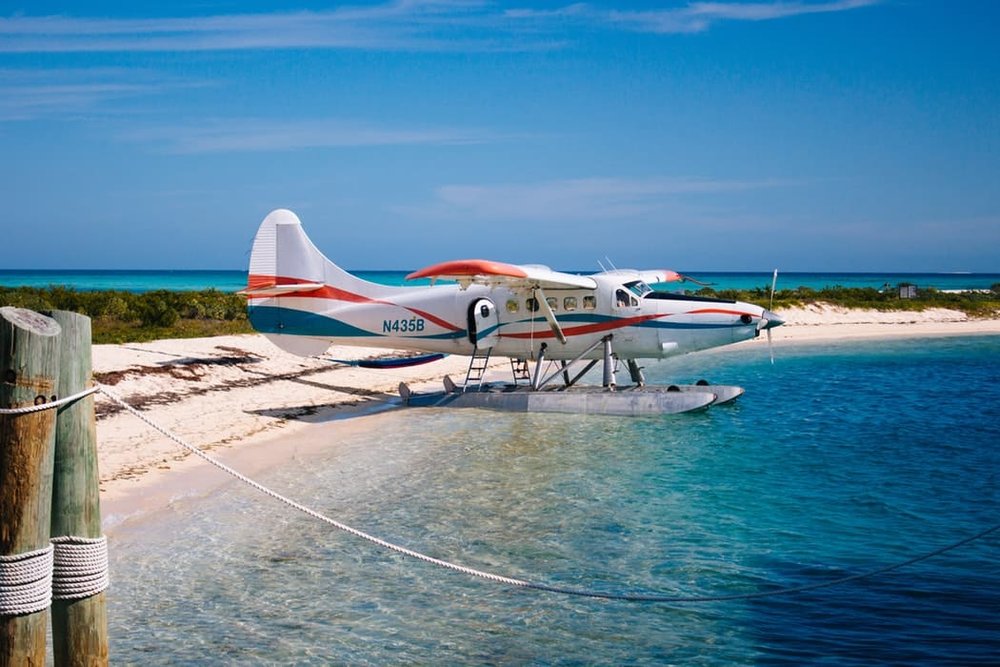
[(561, 323)]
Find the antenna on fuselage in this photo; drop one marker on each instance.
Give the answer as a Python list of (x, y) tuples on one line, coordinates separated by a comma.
[(602, 266), (770, 307), (608, 260)]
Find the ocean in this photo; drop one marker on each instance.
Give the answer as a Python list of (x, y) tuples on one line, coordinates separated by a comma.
[(841, 458), (232, 281)]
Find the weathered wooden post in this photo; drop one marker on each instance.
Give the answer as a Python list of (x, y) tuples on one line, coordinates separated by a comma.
[(79, 626), (29, 373)]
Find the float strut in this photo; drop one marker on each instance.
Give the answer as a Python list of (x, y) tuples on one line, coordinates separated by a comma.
[(609, 365), (537, 379), (637, 377), (564, 369)]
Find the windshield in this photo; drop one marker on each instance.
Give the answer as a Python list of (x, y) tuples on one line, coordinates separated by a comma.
[(639, 288)]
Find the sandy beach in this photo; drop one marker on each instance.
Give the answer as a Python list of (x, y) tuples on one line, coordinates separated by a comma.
[(240, 398)]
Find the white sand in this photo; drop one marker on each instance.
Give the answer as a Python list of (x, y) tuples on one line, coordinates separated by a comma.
[(222, 392), (826, 322), (240, 397)]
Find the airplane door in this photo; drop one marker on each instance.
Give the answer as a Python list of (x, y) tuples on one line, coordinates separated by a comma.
[(625, 305), (484, 323)]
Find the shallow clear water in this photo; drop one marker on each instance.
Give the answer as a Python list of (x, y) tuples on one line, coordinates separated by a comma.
[(839, 459)]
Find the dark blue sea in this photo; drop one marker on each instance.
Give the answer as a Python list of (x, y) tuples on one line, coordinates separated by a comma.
[(840, 459), (231, 281)]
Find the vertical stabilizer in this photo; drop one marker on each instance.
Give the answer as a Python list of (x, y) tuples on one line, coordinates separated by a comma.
[(283, 255), (291, 285)]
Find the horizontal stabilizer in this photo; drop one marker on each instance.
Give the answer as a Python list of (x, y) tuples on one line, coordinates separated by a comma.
[(280, 290)]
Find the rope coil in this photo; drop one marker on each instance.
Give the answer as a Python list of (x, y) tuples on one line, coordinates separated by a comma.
[(26, 582), (80, 567)]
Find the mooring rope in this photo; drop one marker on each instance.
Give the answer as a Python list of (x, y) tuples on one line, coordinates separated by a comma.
[(25, 582), (69, 568), (521, 583), (28, 409)]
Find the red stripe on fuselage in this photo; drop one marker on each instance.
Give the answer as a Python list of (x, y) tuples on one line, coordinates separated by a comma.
[(717, 311), (336, 294), (586, 328)]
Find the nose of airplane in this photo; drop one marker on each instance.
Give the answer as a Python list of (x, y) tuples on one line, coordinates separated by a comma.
[(770, 320)]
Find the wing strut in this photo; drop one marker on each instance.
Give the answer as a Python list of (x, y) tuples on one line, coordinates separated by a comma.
[(549, 315)]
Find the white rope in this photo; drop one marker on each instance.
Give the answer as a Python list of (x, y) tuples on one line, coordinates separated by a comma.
[(25, 582), (80, 567), (311, 512), (28, 409), (520, 583)]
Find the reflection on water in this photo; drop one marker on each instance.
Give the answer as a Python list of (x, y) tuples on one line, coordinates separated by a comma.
[(837, 460)]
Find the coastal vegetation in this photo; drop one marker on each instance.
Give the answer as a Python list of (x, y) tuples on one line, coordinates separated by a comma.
[(124, 317), (129, 317), (983, 303)]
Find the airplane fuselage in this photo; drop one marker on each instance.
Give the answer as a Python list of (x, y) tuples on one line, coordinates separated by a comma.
[(450, 319)]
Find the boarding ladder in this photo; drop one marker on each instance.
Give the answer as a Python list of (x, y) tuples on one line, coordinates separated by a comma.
[(477, 367), (519, 368)]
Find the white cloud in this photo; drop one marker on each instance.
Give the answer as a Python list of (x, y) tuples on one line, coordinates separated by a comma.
[(575, 199), (694, 17), (400, 25), (26, 94), (249, 135)]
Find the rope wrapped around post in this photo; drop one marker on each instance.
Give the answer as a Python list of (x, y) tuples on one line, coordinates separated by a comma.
[(70, 568), (26, 582), (80, 567)]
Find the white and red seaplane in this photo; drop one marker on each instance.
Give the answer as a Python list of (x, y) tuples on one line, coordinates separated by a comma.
[(303, 303)]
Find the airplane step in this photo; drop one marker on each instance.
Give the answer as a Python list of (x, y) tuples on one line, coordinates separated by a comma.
[(519, 368), (477, 367)]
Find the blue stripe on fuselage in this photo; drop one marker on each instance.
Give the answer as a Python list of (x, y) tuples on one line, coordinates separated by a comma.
[(289, 321)]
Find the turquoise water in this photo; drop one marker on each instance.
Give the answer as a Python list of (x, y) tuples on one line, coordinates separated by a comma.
[(839, 459), (231, 281)]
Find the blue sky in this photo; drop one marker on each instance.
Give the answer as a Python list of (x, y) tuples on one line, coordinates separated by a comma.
[(807, 135)]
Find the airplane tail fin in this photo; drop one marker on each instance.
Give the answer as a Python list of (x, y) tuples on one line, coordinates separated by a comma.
[(283, 258), (290, 282)]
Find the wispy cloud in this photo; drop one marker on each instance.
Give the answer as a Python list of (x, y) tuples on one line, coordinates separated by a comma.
[(265, 135), (700, 16), (575, 199), (26, 94), (399, 25)]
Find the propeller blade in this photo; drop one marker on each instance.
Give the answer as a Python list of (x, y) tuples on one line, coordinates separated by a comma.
[(692, 280), (770, 346), (774, 283)]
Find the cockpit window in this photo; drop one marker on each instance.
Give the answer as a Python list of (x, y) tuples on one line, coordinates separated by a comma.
[(639, 288), (623, 299)]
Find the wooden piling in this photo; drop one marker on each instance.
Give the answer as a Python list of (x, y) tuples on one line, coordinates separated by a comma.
[(79, 627), (29, 373)]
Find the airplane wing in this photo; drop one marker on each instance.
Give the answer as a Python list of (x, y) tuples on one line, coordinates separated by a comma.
[(485, 272)]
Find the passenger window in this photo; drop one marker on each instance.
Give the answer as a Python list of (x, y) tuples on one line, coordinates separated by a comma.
[(531, 304), (512, 306), (569, 303), (621, 298), (552, 301), (589, 302)]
